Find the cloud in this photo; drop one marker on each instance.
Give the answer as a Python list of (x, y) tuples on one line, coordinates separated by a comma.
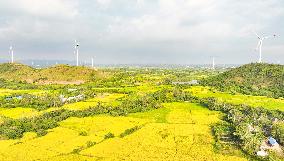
[(104, 3), (48, 8), (165, 30)]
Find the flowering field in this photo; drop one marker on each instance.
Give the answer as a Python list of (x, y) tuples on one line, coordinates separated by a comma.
[(180, 131), (5, 92), (20, 112), (184, 134), (254, 101), (104, 98)]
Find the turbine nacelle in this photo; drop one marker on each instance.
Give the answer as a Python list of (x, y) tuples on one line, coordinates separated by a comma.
[(76, 44)]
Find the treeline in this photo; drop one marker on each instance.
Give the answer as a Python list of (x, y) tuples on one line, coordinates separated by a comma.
[(15, 128), (31, 101), (16, 85), (253, 79), (45, 100), (243, 126), (247, 126)]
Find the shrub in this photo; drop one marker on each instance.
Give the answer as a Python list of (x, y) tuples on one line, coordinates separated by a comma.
[(91, 143), (83, 133), (109, 135), (129, 131), (278, 132)]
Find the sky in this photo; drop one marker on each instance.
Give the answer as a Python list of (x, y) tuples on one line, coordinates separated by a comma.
[(142, 31)]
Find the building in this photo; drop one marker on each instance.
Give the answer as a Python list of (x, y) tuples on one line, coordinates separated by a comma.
[(192, 82), (272, 141)]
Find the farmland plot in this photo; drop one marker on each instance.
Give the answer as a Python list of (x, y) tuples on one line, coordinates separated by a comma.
[(180, 131)]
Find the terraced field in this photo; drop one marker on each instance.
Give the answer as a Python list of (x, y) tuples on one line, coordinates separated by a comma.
[(180, 131)]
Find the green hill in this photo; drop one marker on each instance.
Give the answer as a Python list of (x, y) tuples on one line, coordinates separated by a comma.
[(62, 74), (17, 72), (255, 79), (59, 74)]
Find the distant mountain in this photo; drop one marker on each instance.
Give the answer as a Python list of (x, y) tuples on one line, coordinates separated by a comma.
[(59, 74), (255, 79)]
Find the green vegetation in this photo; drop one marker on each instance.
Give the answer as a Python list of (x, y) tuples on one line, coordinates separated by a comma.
[(246, 126), (278, 131), (60, 74), (253, 79), (237, 99), (15, 128), (129, 131), (78, 113)]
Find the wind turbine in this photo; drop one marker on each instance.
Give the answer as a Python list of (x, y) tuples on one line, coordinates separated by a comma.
[(260, 43), (12, 53), (213, 63), (92, 62), (77, 52)]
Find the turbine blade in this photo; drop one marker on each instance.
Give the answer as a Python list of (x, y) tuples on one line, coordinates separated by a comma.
[(256, 34), (266, 37)]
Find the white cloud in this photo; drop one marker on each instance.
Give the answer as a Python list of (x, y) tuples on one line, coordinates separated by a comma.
[(29, 19), (194, 20), (104, 4), (42, 8), (203, 26)]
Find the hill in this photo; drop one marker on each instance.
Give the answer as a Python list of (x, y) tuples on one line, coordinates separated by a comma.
[(255, 79), (16, 72), (59, 74), (65, 74)]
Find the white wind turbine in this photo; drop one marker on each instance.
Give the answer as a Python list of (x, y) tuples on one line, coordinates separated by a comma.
[(92, 62), (213, 63), (77, 52), (12, 53), (260, 43)]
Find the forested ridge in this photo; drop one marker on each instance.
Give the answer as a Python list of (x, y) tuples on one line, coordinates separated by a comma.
[(254, 79)]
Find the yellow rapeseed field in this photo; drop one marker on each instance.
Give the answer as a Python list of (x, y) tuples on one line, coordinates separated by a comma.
[(21, 112), (18, 112), (180, 131), (254, 101), (63, 140), (102, 98), (184, 135), (5, 92)]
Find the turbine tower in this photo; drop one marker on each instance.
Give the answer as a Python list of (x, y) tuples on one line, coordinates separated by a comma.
[(92, 62), (213, 63), (259, 45), (77, 52), (12, 54)]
